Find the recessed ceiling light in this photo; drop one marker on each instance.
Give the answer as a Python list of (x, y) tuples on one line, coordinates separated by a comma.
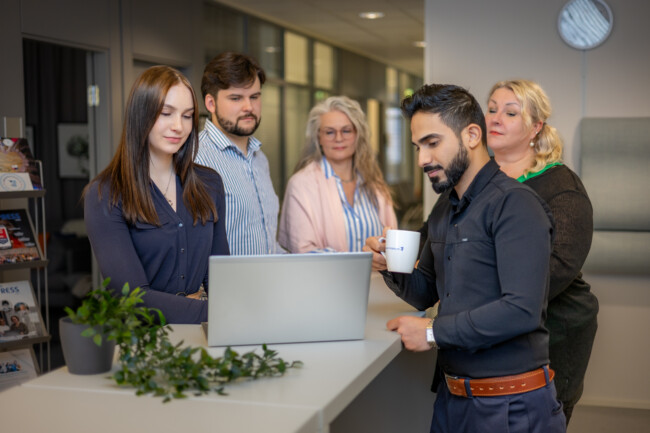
[(371, 15), (419, 44)]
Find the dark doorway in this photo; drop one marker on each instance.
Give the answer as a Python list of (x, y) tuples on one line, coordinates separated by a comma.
[(57, 113)]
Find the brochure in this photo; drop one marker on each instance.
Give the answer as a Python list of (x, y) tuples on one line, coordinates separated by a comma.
[(18, 169), (17, 240), (16, 366), (20, 316)]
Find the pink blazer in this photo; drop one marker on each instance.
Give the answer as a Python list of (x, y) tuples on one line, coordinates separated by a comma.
[(312, 213)]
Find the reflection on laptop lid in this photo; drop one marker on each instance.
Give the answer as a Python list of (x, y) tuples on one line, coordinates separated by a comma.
[(287, 298)]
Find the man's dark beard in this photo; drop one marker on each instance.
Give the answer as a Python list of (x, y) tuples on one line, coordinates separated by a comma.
[(234, 129), (453, 173)]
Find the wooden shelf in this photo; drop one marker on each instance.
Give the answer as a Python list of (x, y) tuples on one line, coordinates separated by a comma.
[(34, 264), (34, 193)]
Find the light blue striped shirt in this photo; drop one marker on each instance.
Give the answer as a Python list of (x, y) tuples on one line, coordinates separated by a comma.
[(361, 218), (251, 203)]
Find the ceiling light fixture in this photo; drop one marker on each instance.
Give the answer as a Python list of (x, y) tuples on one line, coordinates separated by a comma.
[(371, 15), (419, 44)]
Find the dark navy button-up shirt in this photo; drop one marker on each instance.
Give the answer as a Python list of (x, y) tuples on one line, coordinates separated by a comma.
[(165, 260), (487, 260)]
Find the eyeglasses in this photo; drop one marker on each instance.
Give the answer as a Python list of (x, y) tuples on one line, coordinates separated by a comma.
[(331, 134)]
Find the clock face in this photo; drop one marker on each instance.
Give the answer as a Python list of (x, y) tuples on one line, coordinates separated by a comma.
[(585, 24)]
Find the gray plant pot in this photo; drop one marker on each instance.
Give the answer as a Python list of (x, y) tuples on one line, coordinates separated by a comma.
[(81, 354)]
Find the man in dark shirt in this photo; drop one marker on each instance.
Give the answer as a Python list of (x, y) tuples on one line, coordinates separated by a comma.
[(486, 259)]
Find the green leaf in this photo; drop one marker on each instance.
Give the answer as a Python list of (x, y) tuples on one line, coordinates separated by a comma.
[(150, 363), (88, 332)]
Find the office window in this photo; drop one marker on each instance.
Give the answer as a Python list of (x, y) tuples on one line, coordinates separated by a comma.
[(223, 30), (321, 95), (324, 67), (392, 86), (296, 58), (394, 145), (295, 123), (265, 45), (269, 132), (373, 114), (407, 85), (353, 72)]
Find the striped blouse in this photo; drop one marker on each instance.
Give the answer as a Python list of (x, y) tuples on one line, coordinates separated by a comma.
[(251, 203), (361, 218)]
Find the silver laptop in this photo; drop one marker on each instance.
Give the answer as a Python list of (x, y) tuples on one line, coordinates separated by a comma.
[(287, 298)]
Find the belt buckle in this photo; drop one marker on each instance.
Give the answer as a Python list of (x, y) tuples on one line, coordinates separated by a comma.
[(459, 388)]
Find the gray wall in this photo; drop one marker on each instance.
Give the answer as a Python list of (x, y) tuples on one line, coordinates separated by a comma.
[(475, 43)]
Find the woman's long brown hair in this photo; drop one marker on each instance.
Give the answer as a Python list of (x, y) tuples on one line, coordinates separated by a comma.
[(127, 175)]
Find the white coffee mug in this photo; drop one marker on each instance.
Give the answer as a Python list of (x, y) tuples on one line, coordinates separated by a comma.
[(402, 248)]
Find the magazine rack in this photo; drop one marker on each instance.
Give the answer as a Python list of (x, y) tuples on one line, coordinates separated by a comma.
[(27, 234)]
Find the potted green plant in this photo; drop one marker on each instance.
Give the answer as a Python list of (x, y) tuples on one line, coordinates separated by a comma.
[(148, 360), (89, 334)]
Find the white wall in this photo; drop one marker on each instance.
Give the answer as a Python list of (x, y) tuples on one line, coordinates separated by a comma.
[(475, 43)]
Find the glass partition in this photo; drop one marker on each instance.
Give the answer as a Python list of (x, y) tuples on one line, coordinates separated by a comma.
[(266, 45), (296, 58), (302, 71), (223, 30), (297, 109), (270, 134), (324, 67)]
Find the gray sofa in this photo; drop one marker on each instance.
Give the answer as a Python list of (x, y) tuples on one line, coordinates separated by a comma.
[(615, 169)]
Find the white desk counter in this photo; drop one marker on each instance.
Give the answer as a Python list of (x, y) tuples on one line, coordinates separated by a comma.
[(308, 399)]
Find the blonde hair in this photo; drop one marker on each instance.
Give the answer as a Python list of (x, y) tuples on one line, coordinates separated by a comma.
[(363, 161), (536, 107)]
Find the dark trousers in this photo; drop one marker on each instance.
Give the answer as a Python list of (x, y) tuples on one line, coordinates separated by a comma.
[(569, 358), (531, 412)]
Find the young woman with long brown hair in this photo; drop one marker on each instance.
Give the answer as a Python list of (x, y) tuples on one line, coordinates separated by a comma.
[(153, 215)]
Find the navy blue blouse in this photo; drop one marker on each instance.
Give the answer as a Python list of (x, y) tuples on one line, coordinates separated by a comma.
[(165, 261)]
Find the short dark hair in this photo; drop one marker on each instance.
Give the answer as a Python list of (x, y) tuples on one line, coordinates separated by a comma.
[(230, 69), (456, 107)]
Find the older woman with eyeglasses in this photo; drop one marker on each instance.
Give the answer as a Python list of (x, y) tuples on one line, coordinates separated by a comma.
[(337, 196)]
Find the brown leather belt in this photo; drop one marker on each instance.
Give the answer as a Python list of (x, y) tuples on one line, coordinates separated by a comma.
[(496, 386)]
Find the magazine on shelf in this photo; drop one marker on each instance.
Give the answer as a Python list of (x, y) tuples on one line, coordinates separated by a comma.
[(18, 169), (17, 366), (20, 316), (17, 240)]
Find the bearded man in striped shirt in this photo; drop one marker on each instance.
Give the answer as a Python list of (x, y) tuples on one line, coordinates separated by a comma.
[(232, 92)]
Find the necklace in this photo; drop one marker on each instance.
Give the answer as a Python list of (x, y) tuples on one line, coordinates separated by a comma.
[(171, 174)]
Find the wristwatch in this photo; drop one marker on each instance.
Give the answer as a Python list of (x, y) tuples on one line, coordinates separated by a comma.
[(430, 338)]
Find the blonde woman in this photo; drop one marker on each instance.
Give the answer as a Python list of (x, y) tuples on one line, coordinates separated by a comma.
[(528, 149), (337, 197)]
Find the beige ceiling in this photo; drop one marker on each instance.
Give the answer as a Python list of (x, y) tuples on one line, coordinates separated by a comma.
[(389, 39)]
